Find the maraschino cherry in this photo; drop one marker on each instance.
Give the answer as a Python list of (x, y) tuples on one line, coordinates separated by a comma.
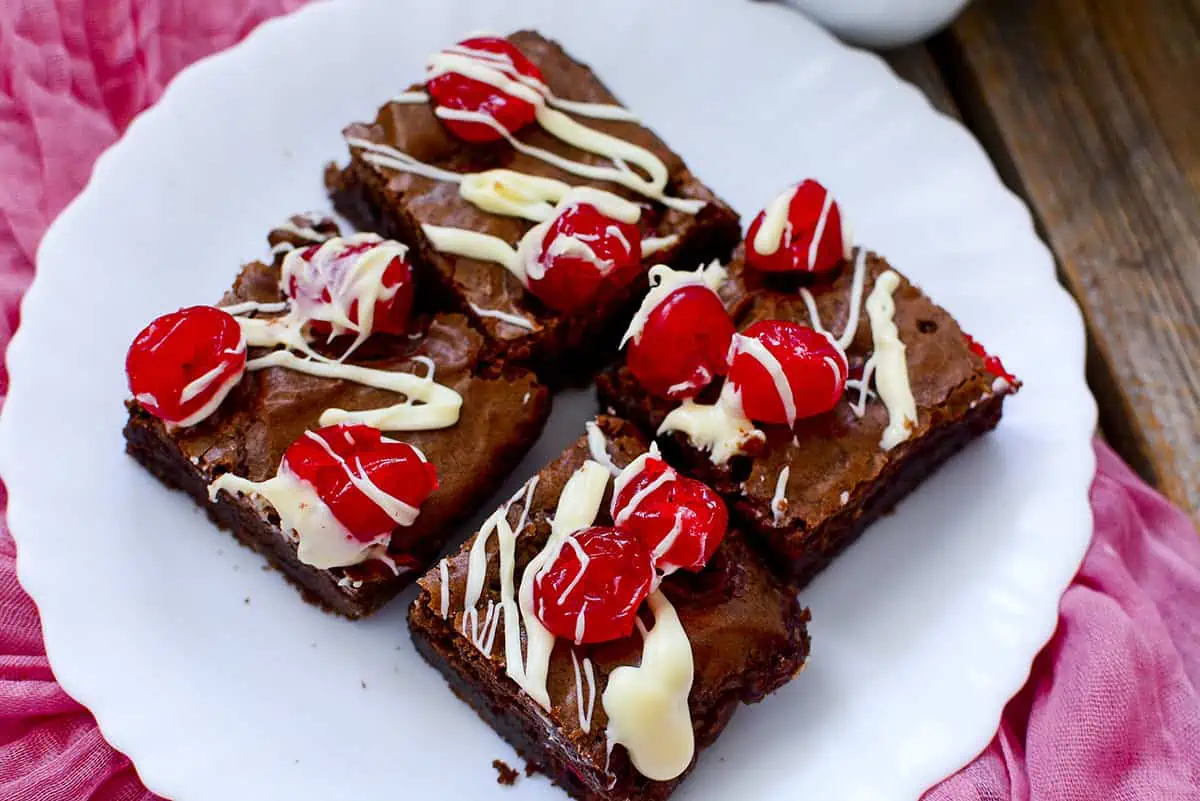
[(371, 484), (683, 344), (327, 278), (811, 238), (454, 90), (681, 521), (992, 363), (785, 371), (182, 365), (583, 255), (594, 598)]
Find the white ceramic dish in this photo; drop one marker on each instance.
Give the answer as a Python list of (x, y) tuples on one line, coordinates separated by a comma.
[(220, 684)]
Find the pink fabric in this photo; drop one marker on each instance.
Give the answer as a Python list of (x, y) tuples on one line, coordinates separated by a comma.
[(1111, 710)]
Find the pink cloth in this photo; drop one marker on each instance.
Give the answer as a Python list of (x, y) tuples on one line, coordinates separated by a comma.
[(1111, 710)]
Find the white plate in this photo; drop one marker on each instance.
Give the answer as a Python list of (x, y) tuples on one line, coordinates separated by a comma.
[(220, 684)]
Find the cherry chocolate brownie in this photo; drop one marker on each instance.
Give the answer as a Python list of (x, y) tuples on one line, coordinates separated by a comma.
[(270, 411), (609, 632), (529, 196), (767, 380)]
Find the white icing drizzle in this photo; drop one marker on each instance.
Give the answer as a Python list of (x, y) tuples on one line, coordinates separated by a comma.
[(652, 245), (427, 405), (722, 429), (444, 585), (513, 194), (199, 385), (413, 98), (523, 260), (577, 508), (770, 235), (856, 290), (254, 306), (844, 497), (891, 364), (664, 281), (779, 500), (598, 447), (631, 471), (822, 220), (393, 159), (620, 152), (756, 350), (512, 319), (667, 542), (345, 281), (483, 638), (585, 695), (322, 541), (863, 385), (647, 705), (305, 232)]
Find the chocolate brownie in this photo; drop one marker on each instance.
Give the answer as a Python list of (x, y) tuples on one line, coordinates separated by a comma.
[(377, 196), (503, 410), (838, 477), (746, 632)]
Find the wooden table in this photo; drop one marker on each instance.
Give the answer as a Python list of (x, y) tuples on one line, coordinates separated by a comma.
[(1090, 110)]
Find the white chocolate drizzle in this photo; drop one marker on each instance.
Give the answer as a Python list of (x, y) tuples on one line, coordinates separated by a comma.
[(891, 364), (199, 385), (647, 705), (515, 320), (664, 281), (756, 350), (585, 694), (321, 540), (774, 229), (444, 586), (598, 447), (722, 429), (577, 508), (652, 245), (411, 98), (427, 405), (254, 306), (779, 500), (632, 470)]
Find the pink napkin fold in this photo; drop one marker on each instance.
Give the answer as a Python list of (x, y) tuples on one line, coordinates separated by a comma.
[(1112, 707)]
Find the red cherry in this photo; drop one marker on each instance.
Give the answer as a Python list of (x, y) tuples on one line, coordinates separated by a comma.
[(456, 91), (324, 274), (338, 461), (182, 365), (594, 599), (683, 344), (991, 363), (680, 520), (565, 277), (812, 214), (813, 369)]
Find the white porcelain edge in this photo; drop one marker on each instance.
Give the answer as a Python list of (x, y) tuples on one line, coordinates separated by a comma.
[(119, 727)]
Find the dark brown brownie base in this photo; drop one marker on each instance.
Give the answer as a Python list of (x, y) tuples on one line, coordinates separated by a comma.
[(823, 543), (567, 355), (147, 441), (474, 680)]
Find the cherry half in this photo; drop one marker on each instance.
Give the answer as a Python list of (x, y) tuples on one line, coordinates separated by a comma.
[(326, 277), (454, 90), (584, 255), (812, 214), (182, 365), (680, 520), (683, 345), (596, 598), (340, 461), (991, 363), (810, 365)]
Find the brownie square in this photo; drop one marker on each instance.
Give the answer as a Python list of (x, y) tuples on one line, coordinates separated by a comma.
[(839, 478), (397, 204), (747, 636), (502, 414)]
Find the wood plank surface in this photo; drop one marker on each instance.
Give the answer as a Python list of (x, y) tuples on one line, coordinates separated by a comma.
[(1091, 111)]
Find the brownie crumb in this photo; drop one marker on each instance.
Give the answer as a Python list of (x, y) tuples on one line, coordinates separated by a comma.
[(504, 774)]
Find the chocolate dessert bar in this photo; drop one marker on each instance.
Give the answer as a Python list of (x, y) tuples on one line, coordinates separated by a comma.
[(606, 622), (809, 382), (528, 195), (303, 405)]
